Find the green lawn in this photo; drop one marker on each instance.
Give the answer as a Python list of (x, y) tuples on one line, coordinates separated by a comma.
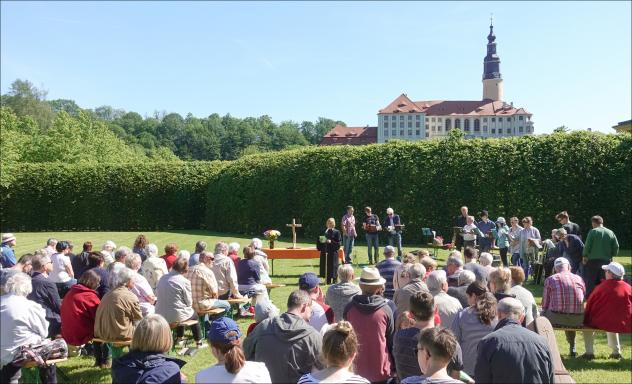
[(80, 370)]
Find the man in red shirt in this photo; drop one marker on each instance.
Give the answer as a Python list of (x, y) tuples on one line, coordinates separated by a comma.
[(609, 307)]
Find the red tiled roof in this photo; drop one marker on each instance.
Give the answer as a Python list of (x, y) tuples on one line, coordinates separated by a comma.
[(403, 104), (341, 135)]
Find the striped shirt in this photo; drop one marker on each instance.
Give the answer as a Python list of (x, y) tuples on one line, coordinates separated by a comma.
[(387, 271), (564, 293), (353, 378)]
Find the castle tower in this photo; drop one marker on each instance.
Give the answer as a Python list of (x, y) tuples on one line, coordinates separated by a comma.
[(492, 80)]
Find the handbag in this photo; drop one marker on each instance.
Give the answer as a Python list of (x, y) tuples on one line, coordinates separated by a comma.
[(40, 353)]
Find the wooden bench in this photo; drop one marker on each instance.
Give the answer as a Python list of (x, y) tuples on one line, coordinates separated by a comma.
[(175, 325), (30, 373), (116, 345), (274, 285), (577, 329), (47, 362)]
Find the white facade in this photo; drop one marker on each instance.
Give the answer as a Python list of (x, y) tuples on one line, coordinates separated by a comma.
[(418, 126)]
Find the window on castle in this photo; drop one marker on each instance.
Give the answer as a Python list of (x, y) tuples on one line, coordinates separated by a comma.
[(500, 131), (520, 117), (493, 119), (410, 132), (448, 124), (427, 126), (427, 134), (493, 131), (466, 124), (418, 124), (484, 119), (386, 132), (401, 124), (401, 117), (500, 119), (520, 129), (417, 117), (418, 132), (484, 128), (386, 124), (433, 119), (410, 117), (439, 119), (457, 123), (401, 132), (477, 125)]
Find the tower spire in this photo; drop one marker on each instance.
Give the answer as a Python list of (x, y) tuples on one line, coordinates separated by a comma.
[(491, 67)]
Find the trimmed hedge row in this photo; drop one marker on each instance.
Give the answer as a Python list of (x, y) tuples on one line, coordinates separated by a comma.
[(426, 183), (138, 196)]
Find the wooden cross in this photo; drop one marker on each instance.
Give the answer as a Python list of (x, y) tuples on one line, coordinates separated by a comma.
[(294, 226)]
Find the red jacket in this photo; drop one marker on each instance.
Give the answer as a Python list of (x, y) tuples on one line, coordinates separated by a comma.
[(169, 260), (78, 311), (235, 258), (609, 307)]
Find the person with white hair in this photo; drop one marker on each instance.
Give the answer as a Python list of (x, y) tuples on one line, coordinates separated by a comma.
[(23, 323), (340, 294), (447, 306), (264, 309), (486, 260), (225, 273), (184, 254), (200, 247), (415, 272), (465, 279), (233, 252), (563, 300), (119, 308), (106, 250), (393, 224), (471, 264), (142, 289), (512, 353), (119, 257), (400, 277), (154, 267), (453, 268), (262, 259), (51, 246)]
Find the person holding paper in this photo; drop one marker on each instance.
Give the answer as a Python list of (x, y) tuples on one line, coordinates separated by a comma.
[(330, 244), (394, 227)]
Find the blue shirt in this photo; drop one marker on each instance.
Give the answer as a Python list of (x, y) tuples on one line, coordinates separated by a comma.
[(194, 260), (7, 256), (387, 270), (248, 272)]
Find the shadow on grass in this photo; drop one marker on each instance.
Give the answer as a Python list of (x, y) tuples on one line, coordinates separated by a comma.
[(81, 370), (577, 364)]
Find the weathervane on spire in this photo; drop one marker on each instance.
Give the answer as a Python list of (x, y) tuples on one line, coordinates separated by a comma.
[(491, 19)]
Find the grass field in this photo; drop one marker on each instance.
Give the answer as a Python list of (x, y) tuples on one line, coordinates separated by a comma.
[(81, 370)]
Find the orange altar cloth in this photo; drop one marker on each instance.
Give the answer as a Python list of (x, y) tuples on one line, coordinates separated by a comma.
[(299, 253)]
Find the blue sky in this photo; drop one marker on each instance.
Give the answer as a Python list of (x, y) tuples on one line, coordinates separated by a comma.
[(566, 62)]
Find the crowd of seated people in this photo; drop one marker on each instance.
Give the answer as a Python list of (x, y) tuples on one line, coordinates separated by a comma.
[(416, 323)]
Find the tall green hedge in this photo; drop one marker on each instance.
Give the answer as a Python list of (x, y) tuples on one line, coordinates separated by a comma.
[(134, 196), (426, 183)]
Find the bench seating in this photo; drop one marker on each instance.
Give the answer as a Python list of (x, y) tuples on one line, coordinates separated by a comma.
[(47, 362)]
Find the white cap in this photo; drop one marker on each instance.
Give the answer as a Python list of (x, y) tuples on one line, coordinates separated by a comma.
[(560, 261), (614, 268)]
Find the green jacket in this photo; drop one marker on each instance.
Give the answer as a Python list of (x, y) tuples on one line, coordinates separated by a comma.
[(601, 244)]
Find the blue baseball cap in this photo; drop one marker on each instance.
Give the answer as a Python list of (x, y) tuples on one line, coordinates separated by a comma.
[(223, 330), (308, 281)]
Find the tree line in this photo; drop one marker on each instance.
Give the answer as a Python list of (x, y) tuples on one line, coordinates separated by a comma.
[(42, 127)]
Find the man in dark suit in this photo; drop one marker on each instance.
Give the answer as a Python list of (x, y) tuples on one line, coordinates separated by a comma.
[(394, 228), (460, 221), (329, 244)]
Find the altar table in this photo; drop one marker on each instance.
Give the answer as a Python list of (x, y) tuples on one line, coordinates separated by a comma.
[(298, 253)]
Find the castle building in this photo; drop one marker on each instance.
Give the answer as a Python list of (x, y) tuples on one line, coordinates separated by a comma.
[(491, 116), (405, 119)]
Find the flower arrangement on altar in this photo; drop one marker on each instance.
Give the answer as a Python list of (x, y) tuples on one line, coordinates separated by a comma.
[(271, 235)]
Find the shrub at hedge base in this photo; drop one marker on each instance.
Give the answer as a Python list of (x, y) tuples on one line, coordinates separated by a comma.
[(426, 183), (143, 196)]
